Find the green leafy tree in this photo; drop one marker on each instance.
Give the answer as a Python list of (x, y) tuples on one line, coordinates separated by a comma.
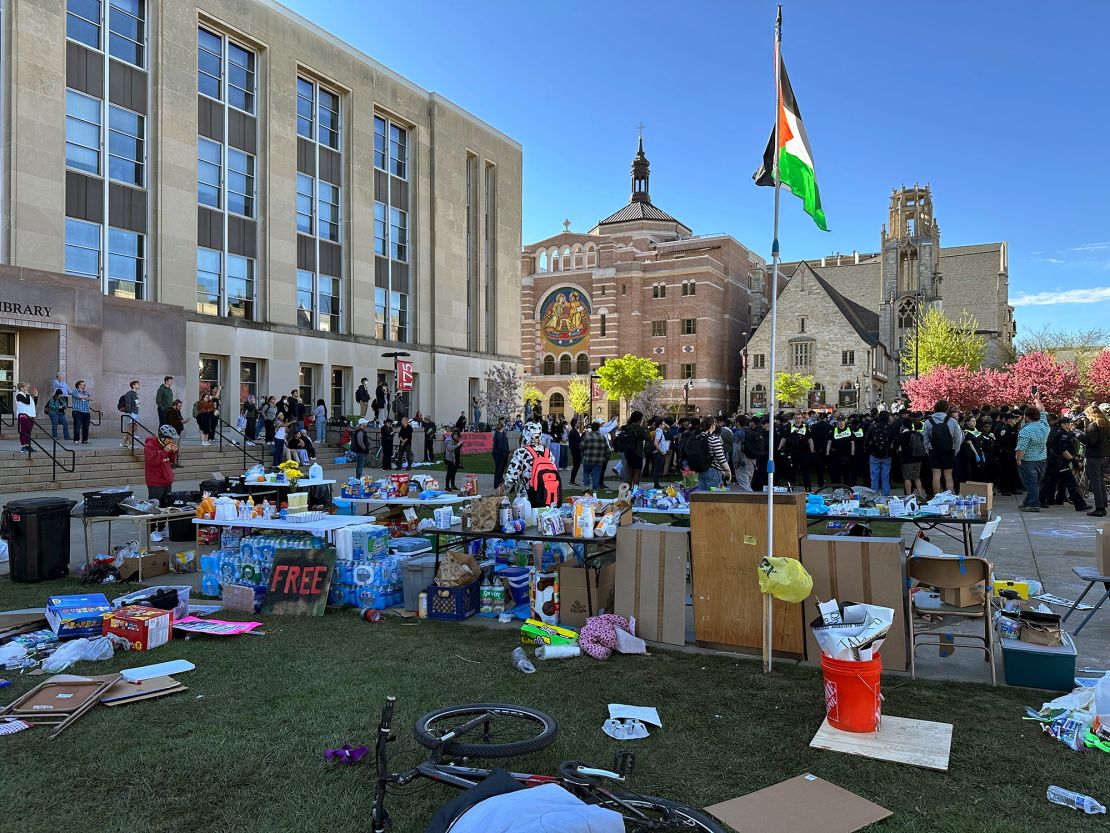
[(792, 388), (625, 377), (532, 396), (578, 394), (942, 342)]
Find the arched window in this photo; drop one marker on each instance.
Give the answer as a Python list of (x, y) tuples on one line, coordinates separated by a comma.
[(565, 364), (555, 405), (591, 255), (548, 365), (541, 262), (583, 364), (567, 262), (578, 262), (907, 312), (555, 260), (759, 397)]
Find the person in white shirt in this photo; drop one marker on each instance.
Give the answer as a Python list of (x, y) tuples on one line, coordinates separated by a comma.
[(26, 398)]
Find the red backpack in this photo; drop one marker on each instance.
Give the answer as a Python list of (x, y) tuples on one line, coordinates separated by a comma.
[(544, 486)]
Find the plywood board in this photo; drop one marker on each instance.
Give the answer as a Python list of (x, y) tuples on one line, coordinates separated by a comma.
[(920, 743), (805, 804), (728, 539)]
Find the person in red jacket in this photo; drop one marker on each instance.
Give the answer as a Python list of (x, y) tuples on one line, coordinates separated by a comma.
[(159, 454)]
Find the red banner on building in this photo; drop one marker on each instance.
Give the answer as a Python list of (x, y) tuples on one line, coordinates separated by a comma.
[(475, 442), (404, 375)]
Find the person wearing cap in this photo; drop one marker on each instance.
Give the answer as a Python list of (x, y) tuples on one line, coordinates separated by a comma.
[(360, 445), (1007, 445), (840, 449), (1096, 439), (1063, 458)]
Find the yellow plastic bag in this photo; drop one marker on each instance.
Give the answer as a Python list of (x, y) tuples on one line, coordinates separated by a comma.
[(785, 579)]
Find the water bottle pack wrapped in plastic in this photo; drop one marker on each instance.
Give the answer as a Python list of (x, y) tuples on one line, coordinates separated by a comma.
[(248, 560), (375, 583)]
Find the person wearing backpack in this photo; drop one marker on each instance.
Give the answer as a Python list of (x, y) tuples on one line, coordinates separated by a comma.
[(128, 405), (362, 397), (943, 439), (912, 448), (756, 448), (360, 445), (631, 441), (532, 471), (821, 430), (743, 465), (595, 453), (660, 445), (798, 445), (879, 443)]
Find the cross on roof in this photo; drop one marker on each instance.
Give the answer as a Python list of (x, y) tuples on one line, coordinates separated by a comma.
[(641, 127)]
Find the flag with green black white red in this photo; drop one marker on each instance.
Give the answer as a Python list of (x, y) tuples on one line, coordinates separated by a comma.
[(790, 148)]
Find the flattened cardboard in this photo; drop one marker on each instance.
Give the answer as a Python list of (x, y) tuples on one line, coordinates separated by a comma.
[(235, 597), (651, 580), (866, 570), (805, 804), (922, 743)]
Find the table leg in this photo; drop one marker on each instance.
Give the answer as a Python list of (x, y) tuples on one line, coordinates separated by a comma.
[(85, 524), (1094, 610), (1075, 604)]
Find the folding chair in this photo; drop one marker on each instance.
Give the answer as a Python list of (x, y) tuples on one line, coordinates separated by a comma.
[(953, 572), (1092, 577)]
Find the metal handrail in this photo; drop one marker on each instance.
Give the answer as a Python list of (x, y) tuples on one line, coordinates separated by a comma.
[(52, 452), (221, 423), (125, 420)]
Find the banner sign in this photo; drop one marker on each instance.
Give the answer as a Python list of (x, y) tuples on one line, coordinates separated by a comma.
[(299, 581), (477, 442), (404, 375)]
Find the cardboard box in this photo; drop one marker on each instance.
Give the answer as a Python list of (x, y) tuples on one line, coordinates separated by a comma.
[(573, 610), (77, 615), (651, 580), (964, 596), (238, 597), (144, 627), (535, 632), (986, 490), (154, 564), (1102, 550), (865, 570)]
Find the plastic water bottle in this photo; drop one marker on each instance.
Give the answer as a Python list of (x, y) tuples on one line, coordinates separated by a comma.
[(522, 663), (1077, 801)]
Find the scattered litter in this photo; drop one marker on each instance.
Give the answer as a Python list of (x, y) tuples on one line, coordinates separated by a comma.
[(557, 651), (346, 754), (624, 729), (464, 659), (202, 609), (214, 627), (648, 714), (521, 662), (10, 727), (799, 804), (1073, 718), (96, 649), (852, 632), (1077, 801), (1061, 602)]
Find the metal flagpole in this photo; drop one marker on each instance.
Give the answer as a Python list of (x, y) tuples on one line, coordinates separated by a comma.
[(768, 601)]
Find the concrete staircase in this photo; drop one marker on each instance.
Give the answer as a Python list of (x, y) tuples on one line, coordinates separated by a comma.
[(99, 466)]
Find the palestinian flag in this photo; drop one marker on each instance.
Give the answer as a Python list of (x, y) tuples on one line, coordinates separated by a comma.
[(794, 158)]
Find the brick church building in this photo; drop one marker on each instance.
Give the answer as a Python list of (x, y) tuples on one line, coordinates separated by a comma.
[(640, 282)]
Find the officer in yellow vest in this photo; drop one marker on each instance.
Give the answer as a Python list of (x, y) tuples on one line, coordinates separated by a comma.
[(840, 450), (798, 445)]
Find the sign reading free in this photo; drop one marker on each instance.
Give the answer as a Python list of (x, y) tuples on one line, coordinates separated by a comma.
[(299, 581)]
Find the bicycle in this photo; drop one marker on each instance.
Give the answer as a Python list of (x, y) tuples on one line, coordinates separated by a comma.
[(508, 732)]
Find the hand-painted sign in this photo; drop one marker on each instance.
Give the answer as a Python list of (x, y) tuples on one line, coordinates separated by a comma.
[(299, 582), (477, 442)]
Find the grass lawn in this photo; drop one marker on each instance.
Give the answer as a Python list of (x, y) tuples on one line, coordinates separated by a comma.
[(242, 749)]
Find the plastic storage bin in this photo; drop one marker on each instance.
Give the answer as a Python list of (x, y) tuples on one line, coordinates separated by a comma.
[(1039, 666), (454, 603), (416, 574), (37, 532), (104, 503), (410, 546)]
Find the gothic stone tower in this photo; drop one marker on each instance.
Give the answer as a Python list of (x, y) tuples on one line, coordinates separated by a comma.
[(910, 265)]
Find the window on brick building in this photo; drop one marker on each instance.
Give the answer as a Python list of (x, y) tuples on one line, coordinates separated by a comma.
[(847, 356), (565, 364), (689, 288), (662, 368), (658, 328), (548, 365), (689, 326), (659, 291), (759, 360), (583, 364), (689, 371), (802, 354), (601, 325)]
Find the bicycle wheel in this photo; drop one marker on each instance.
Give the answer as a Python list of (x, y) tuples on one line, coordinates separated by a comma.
[(512, 730), (663, 815)]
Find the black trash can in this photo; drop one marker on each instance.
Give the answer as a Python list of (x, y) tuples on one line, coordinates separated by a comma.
[(37, 532)]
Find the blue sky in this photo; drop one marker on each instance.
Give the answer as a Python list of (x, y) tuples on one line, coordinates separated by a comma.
[(1003, 107)]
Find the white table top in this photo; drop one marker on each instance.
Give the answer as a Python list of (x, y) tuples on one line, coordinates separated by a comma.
[(329, 523), (448, 500), (644, 510), (304, 481)]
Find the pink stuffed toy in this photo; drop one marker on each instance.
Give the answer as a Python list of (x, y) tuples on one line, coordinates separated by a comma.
[(598, 636)]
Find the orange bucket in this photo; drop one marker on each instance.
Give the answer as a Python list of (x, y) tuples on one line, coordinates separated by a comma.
[(852, 700)]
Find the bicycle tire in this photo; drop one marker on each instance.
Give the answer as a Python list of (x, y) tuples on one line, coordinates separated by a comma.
[(548, 729), (697, 821)]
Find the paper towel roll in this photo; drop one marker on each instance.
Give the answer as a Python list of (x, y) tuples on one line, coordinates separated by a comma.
[(557, 651)]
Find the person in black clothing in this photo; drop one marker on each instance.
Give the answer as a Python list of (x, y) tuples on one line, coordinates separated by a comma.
[(574, 439), (840, 451), (861, 462), (798, 445), (460, 423), (381, 397), (500, 453), (1006, 438), (429, 440), (362, 397), (759, 477), (387, 444), (821, 432), (1061, 461), (405, 436)]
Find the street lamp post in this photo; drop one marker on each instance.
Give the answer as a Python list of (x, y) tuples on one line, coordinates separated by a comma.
[(744, 371), (398, 355), (686, 397)]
